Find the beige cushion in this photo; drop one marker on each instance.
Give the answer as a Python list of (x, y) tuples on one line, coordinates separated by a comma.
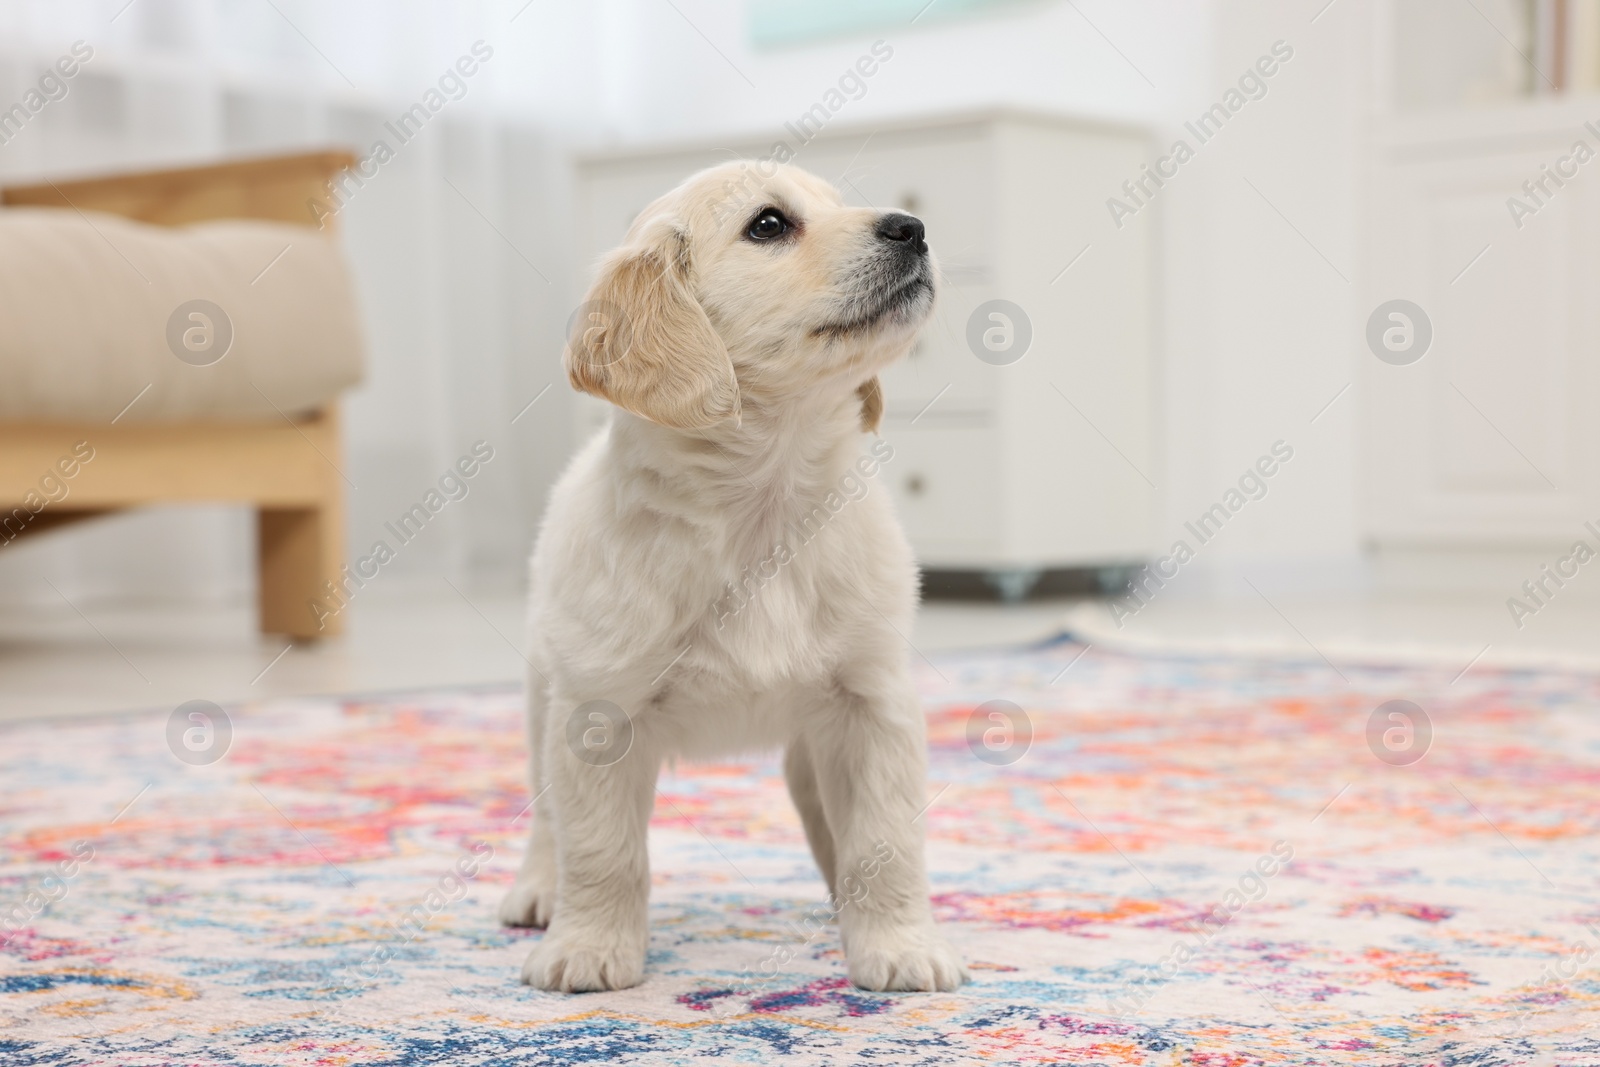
[(86, 301)]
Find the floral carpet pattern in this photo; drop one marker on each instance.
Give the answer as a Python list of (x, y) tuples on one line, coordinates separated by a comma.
[(1194, 861)]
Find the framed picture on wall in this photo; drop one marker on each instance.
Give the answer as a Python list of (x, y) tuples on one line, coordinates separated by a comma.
[(780, 22)]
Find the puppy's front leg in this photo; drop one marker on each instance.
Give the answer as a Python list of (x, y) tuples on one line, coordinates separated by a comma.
[(603, 792), (870, 756)]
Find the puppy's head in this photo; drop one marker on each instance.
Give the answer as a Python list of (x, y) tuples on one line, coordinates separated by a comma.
[(750, 280)]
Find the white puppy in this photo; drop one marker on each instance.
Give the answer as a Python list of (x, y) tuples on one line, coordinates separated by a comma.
[(713, 577)]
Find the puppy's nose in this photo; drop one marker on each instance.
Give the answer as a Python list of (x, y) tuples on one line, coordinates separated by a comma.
[(898, 226)]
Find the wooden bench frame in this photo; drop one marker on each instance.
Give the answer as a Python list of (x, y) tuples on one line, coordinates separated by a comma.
[(287, 470)]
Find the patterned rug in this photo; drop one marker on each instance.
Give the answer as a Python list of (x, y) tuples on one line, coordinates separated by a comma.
[(1154, 861)]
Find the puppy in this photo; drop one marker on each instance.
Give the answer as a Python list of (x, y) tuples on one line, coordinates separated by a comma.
[(712, 576)]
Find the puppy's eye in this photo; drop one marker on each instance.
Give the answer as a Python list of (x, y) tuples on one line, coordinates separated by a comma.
[(767, 225)]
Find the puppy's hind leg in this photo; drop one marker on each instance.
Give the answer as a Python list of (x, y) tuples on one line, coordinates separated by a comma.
[(802, 778), (532, 898)]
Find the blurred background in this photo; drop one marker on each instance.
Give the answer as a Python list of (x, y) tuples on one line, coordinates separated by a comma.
[(1338, 155)]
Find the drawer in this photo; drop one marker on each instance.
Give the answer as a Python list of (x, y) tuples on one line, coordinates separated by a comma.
[(943, 480), (941, 363), (945, 180)]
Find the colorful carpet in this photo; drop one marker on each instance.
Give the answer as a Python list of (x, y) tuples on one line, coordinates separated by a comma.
[(1193, 862)]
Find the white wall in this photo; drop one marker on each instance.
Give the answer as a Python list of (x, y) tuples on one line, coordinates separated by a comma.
[(1262, 329), (671, 81)]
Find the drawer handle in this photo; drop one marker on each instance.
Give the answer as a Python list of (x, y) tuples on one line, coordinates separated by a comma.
[(910, 202), (915, 485)]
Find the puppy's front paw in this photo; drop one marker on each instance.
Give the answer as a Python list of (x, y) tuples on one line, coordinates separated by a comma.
[(577, 964), (913, 958), (530, 902)]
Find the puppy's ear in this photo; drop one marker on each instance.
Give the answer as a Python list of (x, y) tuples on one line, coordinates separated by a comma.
[(871, 394), (642, 341)]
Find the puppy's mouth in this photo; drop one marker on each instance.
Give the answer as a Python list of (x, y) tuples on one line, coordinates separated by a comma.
[(894, 301)]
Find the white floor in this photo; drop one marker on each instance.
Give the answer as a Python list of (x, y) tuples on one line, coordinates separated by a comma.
[(1461, 630), (113, 659), (61, 662)]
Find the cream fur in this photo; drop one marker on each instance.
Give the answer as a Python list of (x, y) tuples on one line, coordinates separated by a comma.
[(744, 374)]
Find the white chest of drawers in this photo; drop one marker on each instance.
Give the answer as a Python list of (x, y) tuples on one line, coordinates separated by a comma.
[(1046, 462)]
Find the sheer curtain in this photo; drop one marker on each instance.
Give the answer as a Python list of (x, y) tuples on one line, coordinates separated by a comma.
[(459, 244)]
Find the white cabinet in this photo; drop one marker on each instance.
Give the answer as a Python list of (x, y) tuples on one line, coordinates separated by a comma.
[(1490, 439), (1047, 462)]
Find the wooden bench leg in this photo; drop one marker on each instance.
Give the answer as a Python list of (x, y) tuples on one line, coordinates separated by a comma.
[(299, 551)]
